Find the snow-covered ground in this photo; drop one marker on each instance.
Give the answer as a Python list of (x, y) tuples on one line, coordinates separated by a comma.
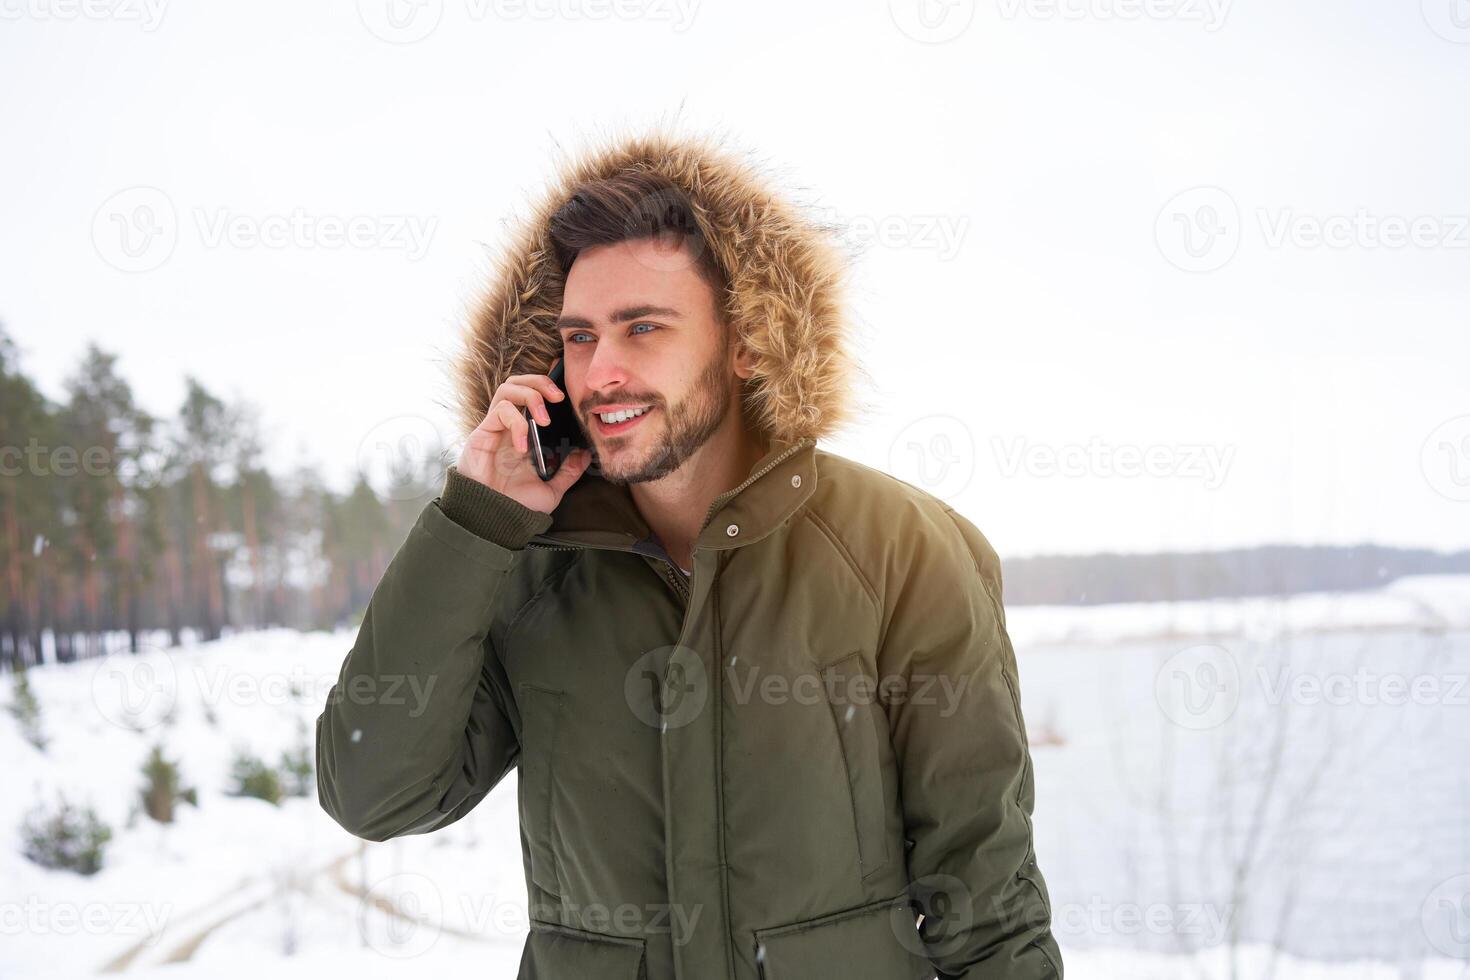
[(1245, 788), (1286, 773)]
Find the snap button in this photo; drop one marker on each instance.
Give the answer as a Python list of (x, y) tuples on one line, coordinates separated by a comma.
[(796, 480), (733, 530)]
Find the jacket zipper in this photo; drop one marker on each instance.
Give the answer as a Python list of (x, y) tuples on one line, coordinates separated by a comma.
[(676, 578), (672, 575), (671, 571)]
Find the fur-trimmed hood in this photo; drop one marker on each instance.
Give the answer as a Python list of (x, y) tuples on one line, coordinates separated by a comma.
[(785, 300)]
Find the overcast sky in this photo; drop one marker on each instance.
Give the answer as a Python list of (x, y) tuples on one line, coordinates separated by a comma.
[(1128, 274)]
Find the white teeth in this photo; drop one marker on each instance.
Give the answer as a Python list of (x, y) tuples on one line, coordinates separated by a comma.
[(615, 417)]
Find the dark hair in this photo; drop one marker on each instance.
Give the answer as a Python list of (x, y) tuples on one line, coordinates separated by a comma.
[(628, 207)]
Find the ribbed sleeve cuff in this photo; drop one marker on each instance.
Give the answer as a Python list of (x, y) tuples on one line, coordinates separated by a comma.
[(489, 513)]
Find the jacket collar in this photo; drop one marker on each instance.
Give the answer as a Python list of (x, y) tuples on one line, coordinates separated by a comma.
[(597, 514)]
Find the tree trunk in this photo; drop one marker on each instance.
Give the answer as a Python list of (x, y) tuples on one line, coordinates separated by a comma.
[(214, 597)]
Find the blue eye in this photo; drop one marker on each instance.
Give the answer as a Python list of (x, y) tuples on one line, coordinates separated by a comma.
[(573, 337), (654, 326)]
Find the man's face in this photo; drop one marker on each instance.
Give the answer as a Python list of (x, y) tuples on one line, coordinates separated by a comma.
[(640, 329)]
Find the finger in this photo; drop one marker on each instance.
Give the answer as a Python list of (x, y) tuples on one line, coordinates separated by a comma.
[(526, 395), (570, 470), (514, 422), (540, 382), (494, 421)]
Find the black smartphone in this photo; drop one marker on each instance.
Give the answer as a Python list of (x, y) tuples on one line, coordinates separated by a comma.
[(550, 444)]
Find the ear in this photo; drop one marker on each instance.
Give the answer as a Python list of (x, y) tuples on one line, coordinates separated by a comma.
[(744, 362)]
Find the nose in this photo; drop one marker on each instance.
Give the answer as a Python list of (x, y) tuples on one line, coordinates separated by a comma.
[(605, 369)]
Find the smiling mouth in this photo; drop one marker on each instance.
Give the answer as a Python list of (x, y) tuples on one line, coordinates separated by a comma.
[(617, 428)]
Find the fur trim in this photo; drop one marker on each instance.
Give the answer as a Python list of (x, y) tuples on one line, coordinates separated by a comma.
[(785, 302)]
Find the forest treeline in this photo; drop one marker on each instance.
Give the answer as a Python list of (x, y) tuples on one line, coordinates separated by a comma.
[(116, 523), (113, 521), (1178, 576)]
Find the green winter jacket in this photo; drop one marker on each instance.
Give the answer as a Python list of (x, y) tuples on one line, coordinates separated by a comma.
[(763, 770)]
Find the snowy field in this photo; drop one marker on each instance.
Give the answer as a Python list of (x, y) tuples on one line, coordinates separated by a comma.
[(1243, 789)]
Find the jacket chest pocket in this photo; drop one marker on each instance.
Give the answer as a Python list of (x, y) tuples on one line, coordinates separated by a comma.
[(851, 694), (541, 719), (554, 952), (874, 942)]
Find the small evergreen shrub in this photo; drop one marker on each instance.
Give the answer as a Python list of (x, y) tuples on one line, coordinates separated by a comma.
[(253, 777), (162, 787), (26, 709), (65, 837), (298, 764)]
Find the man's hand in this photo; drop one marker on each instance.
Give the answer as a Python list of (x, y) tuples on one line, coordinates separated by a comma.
[(497, 453)]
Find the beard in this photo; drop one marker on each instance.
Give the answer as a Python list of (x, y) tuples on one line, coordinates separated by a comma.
[(687, 426)]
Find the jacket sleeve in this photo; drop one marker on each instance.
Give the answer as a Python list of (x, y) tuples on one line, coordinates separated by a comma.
[(964, 762), (415, 731)]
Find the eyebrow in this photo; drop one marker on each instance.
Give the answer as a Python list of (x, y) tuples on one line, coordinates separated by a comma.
[(620, 316)]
